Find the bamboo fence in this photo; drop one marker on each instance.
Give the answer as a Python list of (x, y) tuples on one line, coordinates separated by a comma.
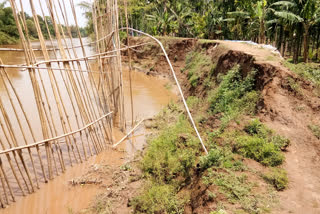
[(77, 95), (74, 105)]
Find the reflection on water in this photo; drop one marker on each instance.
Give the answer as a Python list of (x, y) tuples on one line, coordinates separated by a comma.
[(57, 196)]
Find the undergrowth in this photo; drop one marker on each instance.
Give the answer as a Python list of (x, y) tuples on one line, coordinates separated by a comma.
[(167, 167), (234, 96), (278, 178), (173, 161), (308, 71), (315, 129), (197, 64)]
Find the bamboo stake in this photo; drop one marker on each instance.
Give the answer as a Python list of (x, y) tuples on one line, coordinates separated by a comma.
[(3, 185)]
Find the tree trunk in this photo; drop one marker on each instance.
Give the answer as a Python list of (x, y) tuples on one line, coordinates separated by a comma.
[(291, 45), (305, 42), (262, 31), (317, 47)]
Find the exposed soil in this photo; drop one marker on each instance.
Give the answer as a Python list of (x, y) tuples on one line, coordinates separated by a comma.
[(284, 110)]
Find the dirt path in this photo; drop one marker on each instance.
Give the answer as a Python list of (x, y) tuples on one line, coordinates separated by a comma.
[(290, 114)]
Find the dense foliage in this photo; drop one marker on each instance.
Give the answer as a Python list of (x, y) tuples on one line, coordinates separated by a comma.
[(9, 32), (293, 26)]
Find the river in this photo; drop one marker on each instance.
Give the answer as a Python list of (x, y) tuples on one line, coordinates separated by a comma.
[(58, 196)]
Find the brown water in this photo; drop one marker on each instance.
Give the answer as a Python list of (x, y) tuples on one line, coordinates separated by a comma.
[(58, 196)]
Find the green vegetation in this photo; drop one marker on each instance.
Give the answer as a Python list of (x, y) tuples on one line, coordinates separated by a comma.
[(173, 164), (167, 166), (9, 32), (294, 85), (234, 96), (196, 64), (157, 198), (308, 71), (237, 189), (278, 178), (290, 23), (193, 101), (315, 130), (261, 144)]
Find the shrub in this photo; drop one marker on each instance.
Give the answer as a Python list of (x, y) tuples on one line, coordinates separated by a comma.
[(214, 158), (278, 178), (220, 158)]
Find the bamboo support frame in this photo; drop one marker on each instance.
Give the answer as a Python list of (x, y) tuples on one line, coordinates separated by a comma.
[(72, 112)]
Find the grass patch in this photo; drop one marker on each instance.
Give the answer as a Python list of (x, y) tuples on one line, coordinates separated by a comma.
[(308, 71), (158, 198), (255, 141), (167, 166), (197, 64), (172, 153), (259, 150), (294, 85), (234, 96), (261, 144), (220, 157), (237, 189), (315, 130), (278, 178), (192, 101)]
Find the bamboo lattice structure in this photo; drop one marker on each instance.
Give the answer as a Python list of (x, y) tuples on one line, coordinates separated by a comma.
[(75, 101)]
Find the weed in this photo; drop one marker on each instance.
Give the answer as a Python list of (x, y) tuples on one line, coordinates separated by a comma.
[(255, 127), (193, 101), (194, 79), (157, 198), (126, 167), (196, 64), (220, 211), (294, 85), (211, 195), (168, 86), (308, 71), (235, 95), (315, 130), (237, 189), (278, 178), (172, 153), (257, 148)]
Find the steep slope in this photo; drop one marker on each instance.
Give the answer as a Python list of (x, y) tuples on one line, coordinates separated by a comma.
[(288, 104)]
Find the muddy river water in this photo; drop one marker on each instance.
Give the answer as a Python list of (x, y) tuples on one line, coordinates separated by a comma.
[(58, 196)]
